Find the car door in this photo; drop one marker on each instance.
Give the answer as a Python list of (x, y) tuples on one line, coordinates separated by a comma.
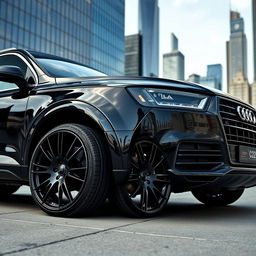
[(13, 103)]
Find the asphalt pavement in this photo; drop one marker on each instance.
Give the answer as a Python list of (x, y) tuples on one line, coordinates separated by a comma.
[(185, 228)]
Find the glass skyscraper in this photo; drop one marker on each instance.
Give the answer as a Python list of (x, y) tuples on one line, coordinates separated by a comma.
[(214, 72), (133, 58), (87, 31), (149, 29), (208, 81)]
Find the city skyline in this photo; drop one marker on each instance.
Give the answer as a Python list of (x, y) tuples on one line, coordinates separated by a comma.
[(213, 77), (209, 18), (180, 6)]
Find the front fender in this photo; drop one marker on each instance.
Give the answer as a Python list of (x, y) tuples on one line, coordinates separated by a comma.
[(48, 117)]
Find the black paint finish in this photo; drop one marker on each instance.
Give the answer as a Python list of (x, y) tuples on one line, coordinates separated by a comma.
[(104, 104)]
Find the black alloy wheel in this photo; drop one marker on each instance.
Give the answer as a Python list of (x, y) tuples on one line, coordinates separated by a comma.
[(148, 187), (221, 198), (7, 190), (68, 171)]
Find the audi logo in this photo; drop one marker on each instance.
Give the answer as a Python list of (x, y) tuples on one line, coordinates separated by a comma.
[(246, 114)]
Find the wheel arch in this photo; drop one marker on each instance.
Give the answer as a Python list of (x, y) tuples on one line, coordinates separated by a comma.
[(71, 112)]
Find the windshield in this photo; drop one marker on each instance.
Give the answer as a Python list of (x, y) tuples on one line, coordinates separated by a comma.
[(59, 68)]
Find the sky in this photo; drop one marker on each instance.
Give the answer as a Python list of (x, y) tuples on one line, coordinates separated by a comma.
[(202, 27)]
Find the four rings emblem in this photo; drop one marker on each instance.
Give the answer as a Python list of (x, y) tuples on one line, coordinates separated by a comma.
[(246, 114)]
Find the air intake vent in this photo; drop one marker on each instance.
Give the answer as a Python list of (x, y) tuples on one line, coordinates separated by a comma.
[(199, 157)]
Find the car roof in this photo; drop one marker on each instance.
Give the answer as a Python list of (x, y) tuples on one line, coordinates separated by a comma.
[(37, 54)]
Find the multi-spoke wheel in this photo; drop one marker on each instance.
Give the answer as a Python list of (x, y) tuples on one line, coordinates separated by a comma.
[(68, 171), (7, 190), (222, 198), (148, 187)]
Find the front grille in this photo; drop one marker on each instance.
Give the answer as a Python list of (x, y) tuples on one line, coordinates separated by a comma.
[(237, 132), (199, 157)]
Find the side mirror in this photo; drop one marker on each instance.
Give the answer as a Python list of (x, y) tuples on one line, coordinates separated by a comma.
[(13, 74)]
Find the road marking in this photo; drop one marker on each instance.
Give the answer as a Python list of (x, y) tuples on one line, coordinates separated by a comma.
[(113, 230), (160, 235)]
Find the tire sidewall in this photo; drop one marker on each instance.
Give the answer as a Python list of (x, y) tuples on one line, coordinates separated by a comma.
[(86, 187)]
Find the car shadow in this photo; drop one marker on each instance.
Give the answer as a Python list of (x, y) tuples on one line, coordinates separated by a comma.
[(175, 210), (199, 212), (191, 211), (18, 201)]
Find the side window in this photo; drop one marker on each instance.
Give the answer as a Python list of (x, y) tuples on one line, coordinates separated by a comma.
[(15, 61)]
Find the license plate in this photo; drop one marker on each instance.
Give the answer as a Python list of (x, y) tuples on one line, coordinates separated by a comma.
[(247, 154)]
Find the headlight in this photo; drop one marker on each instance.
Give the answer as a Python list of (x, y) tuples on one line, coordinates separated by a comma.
[(168, 98)]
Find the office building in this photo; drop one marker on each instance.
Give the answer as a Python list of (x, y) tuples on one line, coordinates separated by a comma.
[(214, 73), (240, 88), (194, 78), (253, 87), (173, 62), (253, 94), (254, 34), (149, 30), (208, 81), (90, 32), (213, 78), (174, 43), (133, 57), (237, 58)]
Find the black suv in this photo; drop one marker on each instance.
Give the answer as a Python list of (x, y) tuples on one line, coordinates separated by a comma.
[(77, 136)]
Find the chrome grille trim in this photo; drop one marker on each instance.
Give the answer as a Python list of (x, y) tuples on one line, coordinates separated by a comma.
[(237, 131)]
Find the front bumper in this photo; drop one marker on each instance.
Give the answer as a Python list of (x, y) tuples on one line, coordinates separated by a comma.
[(194, 144)]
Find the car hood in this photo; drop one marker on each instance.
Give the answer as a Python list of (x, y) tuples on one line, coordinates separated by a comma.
[(125, 81)]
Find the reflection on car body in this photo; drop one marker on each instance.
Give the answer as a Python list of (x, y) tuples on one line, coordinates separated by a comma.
[(77, 136)]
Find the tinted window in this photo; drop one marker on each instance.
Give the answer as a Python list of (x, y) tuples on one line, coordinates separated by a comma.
[(14, 61), (58, 68)]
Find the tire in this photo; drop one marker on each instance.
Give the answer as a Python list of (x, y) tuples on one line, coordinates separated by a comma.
[(7, 190), (69, 174), (222, 198), (148, 187)]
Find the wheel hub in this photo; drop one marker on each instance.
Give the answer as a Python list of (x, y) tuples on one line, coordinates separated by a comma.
[(147, 177), (61, 170), (149, 181), (147, 170)]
